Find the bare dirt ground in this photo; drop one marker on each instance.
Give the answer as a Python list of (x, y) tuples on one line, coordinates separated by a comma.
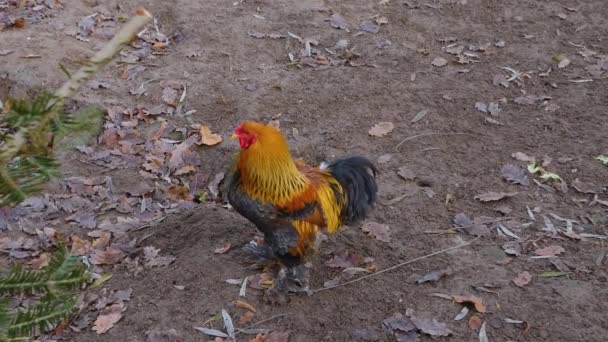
[(400, 58)]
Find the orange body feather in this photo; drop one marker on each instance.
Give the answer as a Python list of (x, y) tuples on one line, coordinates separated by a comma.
[(269, 175)]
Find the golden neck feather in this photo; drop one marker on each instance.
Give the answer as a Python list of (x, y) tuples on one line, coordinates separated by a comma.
[(268, 172)]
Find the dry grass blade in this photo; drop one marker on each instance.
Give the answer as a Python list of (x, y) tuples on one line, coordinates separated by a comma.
[(427, 134), (396, 266)]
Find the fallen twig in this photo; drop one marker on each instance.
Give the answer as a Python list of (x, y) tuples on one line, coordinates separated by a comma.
[(426, 134), (397, 266)]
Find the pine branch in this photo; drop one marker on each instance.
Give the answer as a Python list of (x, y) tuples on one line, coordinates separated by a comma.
[(40, 318), (63, 273), (37, 124)]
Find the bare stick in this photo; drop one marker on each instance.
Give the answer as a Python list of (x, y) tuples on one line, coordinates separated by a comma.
[(105, 55), (69, 88), (397, 266), (258, 323), (426, 134)]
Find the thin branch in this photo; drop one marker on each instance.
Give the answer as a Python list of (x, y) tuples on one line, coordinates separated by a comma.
[(427, 134), (69, 88), (105, 55), (396, 266)]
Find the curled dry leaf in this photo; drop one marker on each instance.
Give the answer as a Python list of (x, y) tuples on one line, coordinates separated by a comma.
[(477, 302), (378, 231), (439, 62), (208, 138), (522, 279), (494, 196), (108, 317), (381, 129), (550, 251), (223, 249)]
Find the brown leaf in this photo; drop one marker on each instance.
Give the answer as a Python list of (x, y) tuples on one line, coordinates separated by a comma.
[(41, 261), (275, 336), (477, 302), (550, 251), (103, 241), (80, 246), (108, 257), (184, 170), (208, 138), (223, 249), (515, 175), (244, 305), (378, 231), (179, 193), (494, 196), (474, 323), (246, 317), (381, 129), (522, 279), (108, 317)]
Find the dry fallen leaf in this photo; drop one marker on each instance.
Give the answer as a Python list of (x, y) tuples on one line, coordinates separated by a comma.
[(153, 259), (338, 21), (439, 62), (477, 302), (169, 96), (522, 157), (80, 246), (179, 193), (109, 256), (550, 251), (223, 249), (108, 317), (474, 323), (433, 276), (522, 279), (514, 174), (381, 129), (208, 138), (246, 317), (378, 231), (406, 173), (275, 336), (494, 196), (344, 259), (582, 187)]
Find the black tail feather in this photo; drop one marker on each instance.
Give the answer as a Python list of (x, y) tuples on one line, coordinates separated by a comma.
[(357, 175)]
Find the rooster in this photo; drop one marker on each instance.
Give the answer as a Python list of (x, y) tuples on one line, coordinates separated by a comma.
[(289, 201)]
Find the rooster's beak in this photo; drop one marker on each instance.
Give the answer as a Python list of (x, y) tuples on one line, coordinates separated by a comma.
[(234, 136)]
